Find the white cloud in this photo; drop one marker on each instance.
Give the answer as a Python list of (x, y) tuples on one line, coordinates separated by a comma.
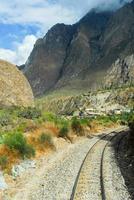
[(39, 12), (7, 54), (22, 50), (46, 13)]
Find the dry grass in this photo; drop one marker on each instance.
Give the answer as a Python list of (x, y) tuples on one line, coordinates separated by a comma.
[(33, 138), (40, 148), (32, 135), (13, 157), (52, 128)]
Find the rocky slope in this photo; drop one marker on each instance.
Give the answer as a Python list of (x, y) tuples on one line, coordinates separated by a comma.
[(14, 88), (80, 56), (100, 102)]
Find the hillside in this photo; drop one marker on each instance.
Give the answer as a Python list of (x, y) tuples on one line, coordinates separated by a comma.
[(102, 102), (14, 88), (96, 50)]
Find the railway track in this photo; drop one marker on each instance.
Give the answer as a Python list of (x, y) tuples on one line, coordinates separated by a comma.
[(95, 178)]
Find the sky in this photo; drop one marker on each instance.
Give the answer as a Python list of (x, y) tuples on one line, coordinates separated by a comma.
[(23, 21)]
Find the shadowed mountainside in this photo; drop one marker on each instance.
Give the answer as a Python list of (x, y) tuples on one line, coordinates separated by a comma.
[(85, 55)]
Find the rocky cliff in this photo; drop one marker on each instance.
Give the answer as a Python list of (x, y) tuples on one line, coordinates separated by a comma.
[(14, 88), (80, 56)]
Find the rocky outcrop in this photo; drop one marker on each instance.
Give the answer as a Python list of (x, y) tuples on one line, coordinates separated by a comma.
[(14, 88), (79, 56)]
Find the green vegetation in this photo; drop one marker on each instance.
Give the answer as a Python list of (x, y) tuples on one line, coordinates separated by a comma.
[(106, 120), (17, 141), (5, 119), (77, 127), (64, 131), (29, 113), (122, 119), (45, 138), (50, 117)]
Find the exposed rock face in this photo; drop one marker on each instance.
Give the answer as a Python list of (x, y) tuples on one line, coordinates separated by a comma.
[(121, 72), (79, 56), (14, 88)]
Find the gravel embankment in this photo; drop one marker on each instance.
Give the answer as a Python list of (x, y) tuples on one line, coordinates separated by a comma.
[(125, 160), (114, 183)]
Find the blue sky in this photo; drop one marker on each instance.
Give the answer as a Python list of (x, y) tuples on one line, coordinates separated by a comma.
[(23, 21)]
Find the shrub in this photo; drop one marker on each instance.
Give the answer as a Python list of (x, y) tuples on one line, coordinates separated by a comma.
[(45, 138), (77, 127), (29, 151), (3, 161), (64, 131), (17, 141), (30, 113)]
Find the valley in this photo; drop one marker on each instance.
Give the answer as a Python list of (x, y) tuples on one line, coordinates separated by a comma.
[(67, 113)]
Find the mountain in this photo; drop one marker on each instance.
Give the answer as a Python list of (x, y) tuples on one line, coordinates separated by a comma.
[(85, 55), (14, 88)]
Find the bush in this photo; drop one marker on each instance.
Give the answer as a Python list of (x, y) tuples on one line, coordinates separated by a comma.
[(30, 113), (64, 131), (3, 161), (45, 138), (17, 141), (77, 127)]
